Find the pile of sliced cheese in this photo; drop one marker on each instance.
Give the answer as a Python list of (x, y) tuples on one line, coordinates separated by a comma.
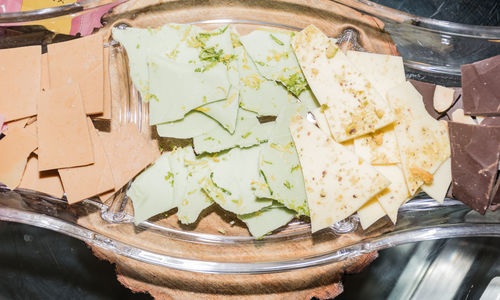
[(372, 145), (49, 143)]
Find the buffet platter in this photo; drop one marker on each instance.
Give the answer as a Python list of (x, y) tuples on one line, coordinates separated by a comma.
[(203, 257)]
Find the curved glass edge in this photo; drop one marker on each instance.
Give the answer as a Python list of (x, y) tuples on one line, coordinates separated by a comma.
[(434, 25), (435, 221), (52, 12)]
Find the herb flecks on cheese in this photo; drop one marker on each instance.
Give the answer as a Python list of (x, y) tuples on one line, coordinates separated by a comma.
[(339, 183), (354, 106)]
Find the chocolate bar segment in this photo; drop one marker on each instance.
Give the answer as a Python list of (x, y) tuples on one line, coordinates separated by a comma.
[(474, 163), (427, 91), (481, 88), (493, 121)]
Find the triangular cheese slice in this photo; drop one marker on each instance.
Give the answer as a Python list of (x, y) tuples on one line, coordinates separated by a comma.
[(337, 181), (423, 141), (353, 107)]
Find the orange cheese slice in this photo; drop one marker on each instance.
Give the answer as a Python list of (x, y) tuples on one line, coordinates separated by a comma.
[(79, 61), (84, 182), (128, 153), (106, 114), (20, 70), (47, 182), (14, 151), (63, 134), (45, 77)]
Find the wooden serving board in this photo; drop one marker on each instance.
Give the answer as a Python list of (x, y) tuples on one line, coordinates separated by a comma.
[(322, 282)]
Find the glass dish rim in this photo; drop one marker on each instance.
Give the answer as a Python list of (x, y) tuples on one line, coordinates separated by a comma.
[(366, 6)]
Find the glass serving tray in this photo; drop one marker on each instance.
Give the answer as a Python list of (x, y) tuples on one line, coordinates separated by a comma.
[(425, 45)]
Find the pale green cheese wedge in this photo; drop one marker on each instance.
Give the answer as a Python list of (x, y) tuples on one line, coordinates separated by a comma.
[(152, 191), (370, 213), (230, 184), (175, 88), (271, 51), (307, 97), (193, 124), (423, 141), (179, 171), (352, 106), (143, 43), (194, 200), (259, 95), (248, 132), (280, 165), (337, 181), (267, 220), (442, 180), (226, 112)]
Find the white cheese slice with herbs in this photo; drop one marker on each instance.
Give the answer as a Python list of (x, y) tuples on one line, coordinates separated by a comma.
[(396, 194), (249, 132), (423, 141), (370, 213), (258, 94), (267, 220), (152, 191), (383, 72), (337, 181), (193, 124), (352, 106), (442, 179), (279, 163), (230, 183), (380, 147)]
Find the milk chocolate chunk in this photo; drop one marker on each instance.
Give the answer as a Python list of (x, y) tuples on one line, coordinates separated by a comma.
[(481, 91), (495, 195), (427, 91), (475, 154), (493, 121)]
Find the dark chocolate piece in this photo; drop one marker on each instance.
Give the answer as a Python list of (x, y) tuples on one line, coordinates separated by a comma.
[(495, 195), (474, 163), (457, 105), (493, 121), (481, 88), (427, 91)]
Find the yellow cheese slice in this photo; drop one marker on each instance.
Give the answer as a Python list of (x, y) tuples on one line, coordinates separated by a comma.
[(423, 141), (337, 181), (20, 70), (442, 180), (370, 213), (380, 147), (395, 194), (84, 182), (352, 106), (383, 72), (15, 148), (63, 134), (47, 182)]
